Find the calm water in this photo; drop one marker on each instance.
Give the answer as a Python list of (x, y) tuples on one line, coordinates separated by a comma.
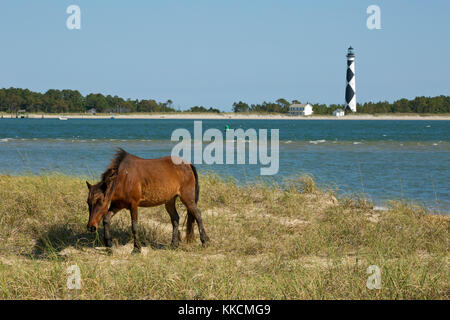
[(385, 159)]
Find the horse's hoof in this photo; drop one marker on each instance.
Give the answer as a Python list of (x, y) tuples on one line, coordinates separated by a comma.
[(108, 243), (205, 243), (136, 250)]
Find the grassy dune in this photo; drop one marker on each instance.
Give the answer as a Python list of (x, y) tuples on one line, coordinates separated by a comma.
[(267, 243)]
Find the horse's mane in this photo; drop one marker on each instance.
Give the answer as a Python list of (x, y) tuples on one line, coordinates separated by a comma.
[(108, 178), (113, 167)]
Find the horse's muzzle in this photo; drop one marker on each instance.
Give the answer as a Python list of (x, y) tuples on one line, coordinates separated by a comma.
[(91, 228)]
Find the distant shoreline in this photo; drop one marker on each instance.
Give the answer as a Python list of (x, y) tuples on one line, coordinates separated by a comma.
[(240, 116)]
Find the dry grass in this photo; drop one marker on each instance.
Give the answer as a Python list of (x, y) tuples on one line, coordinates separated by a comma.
[(267, 243)]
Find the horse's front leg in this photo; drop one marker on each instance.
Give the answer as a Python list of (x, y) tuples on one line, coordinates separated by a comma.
[(107, 226), (106, 229), (134, 228), (175, 219)]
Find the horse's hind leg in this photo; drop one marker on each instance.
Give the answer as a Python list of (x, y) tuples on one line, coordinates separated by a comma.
[(190, 227), (195, 212), (175, 219)]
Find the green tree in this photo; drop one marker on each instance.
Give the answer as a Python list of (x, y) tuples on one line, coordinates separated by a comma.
[(240, 107)]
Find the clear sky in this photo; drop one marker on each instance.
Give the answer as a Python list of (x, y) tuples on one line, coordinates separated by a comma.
[(212, 53)]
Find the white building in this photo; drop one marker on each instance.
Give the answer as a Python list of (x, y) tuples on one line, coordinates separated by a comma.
[(300, 109), (338, 113)]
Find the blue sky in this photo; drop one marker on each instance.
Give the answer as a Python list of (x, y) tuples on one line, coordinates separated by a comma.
[(212, 53)]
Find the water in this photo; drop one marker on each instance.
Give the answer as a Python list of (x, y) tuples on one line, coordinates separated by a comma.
[(384, 159)]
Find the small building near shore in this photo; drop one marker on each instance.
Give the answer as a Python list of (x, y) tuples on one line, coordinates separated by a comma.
[(338, 113), (22, 113), (298, 109), (92, 111)]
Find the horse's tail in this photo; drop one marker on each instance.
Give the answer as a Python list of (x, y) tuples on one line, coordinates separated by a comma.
[(197, 187)]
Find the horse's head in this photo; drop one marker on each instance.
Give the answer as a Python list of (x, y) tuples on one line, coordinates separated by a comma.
[(98, 204)]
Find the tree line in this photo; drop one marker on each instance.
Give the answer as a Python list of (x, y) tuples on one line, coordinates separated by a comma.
[(65, 101), (438, 104)]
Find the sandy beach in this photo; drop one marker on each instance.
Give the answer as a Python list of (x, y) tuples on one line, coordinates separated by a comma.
[(241, 116)]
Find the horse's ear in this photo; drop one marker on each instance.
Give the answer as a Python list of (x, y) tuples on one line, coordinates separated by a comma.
[(88, 185)]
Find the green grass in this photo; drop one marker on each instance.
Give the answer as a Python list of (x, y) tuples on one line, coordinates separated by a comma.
[(298, 242)]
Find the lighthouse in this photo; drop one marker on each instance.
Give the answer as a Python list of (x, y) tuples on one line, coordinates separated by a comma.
[(350, 91)]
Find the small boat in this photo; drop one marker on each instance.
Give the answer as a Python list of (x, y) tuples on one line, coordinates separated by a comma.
[(62, 118), (112, 117)]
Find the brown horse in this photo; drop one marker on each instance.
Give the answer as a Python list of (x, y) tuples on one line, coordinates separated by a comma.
[(130, 182)]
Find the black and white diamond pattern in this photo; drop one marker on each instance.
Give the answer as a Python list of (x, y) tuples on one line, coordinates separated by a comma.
[(350, 74), (350, 92)]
